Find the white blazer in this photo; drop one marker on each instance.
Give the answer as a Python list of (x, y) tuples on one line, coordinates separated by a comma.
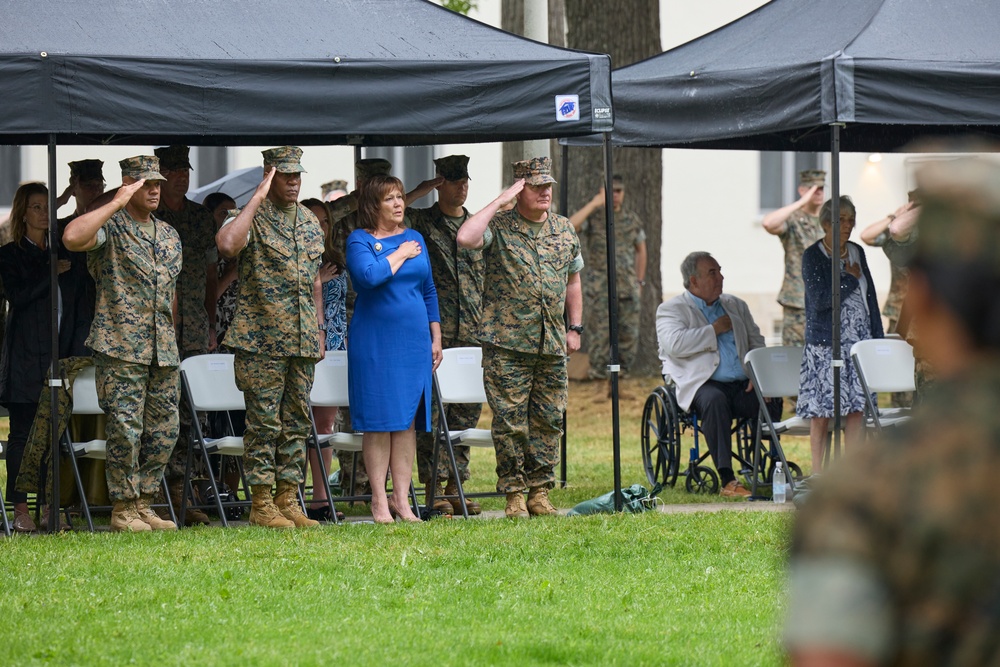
[(689, 349)]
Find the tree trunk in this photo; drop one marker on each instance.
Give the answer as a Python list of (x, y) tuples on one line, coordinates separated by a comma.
[(628, 36), (511, 20)]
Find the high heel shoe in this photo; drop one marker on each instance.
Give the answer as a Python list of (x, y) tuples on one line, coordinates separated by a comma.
[(396, 514)]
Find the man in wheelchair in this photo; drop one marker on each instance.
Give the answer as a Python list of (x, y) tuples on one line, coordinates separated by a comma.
[(704, 336)]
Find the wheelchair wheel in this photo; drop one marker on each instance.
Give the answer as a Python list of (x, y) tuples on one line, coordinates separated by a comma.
[(793, 467), (702, 480), (661, 438)]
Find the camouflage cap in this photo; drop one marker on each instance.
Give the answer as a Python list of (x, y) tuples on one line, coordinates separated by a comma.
[(959, 220), (811, 177), (142, 166), (536, 171), (87, 170), (453, 167), (375, 166), (173, 157), (286, 159), (333, 186)]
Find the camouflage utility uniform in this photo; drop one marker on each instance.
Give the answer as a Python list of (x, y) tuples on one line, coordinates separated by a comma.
[(628, 234), (801, 231), (458, 277), (135, 268), (897, 252), (196, 228), (524, 337), (274, 333), (896, 553)]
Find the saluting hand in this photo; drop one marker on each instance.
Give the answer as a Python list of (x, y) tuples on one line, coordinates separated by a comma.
[(125, 193), (265, 185)]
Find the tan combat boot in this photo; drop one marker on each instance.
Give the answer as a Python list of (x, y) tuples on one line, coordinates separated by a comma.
[(440, 504), (456, 502), (538, 502), (263, 511), (125, 518), (151, 518), (287, 501), (193, 517), (515, 506)]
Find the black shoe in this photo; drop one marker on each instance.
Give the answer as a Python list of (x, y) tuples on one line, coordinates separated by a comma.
[(322, 514)]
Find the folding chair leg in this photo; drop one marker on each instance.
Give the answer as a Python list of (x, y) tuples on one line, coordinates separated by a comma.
[(79, 488), (3, 513), (166, 496), (215, 487), (413, 499), (326, 482)]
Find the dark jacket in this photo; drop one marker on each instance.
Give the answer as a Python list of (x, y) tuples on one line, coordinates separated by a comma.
[(819, 295), (27, 343)]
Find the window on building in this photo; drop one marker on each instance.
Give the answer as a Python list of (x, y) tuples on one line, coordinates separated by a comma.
[(779, 176)]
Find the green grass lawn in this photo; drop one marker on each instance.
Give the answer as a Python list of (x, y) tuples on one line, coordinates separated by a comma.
[(651, 589)]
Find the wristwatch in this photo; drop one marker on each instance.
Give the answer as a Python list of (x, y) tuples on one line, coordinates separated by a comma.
[(575, 327)]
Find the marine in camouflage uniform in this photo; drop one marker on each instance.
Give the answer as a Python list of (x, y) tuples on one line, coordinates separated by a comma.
[(196, 228), (896, 553), (458, 277), (630, 266), (531, 279), (276, 332), (135, 259)]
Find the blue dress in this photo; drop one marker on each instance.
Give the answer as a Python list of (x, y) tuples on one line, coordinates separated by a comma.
[(389, 358)]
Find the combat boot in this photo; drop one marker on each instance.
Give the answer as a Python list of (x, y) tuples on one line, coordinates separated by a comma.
[(125, 518), (515, 506), (538, 502), (151, 518), (193, 517), (263, 511), (456, 502), (440, 504), (287, 501)]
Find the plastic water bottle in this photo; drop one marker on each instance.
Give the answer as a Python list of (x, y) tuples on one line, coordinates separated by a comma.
[(778, 484)]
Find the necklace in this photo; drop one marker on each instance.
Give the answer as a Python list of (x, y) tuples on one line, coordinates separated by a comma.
[(829, 249)]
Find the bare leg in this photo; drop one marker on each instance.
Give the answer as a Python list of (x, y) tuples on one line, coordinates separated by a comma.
[(375, 448), (817, 441), (402, 451), (854, 432)]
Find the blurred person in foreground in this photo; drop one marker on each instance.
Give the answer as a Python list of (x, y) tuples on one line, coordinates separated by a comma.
[(395, 342), (896, 555)]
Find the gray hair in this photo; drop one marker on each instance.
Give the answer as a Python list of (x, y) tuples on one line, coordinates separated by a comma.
[(689, 267), (826, 213)]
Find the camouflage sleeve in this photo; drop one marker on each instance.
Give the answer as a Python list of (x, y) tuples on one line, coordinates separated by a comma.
[(340, 208), (102, 238), (640, 236), (840, 605), (487, 238), (576, 266)]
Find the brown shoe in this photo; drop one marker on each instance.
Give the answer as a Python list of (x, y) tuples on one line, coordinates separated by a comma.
[(734, 490), (456, 503), (192, 517), (440, 504), (538, 502), (151, 518), (125, 518), (263, 511), (23, 523), (63, 526), (286, 499), (515, 506)]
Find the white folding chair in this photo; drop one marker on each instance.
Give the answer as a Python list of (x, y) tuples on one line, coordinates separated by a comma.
[(85, 402), (774, 372), (209, 382), (459, 379), (884, 366), (330, 390)]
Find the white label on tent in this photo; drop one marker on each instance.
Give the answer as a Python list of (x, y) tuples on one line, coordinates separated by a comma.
[(883, 350), (779, 357), (465, 359), (336, 360), (217, 365), (567, 108)]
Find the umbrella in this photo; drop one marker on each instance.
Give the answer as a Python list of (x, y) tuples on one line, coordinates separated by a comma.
[(238, 184)]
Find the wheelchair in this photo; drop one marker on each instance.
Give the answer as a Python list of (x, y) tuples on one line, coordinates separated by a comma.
[(663, 424)]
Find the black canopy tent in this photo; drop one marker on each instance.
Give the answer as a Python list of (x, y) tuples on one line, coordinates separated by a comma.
[(853, 75), (312, 72)]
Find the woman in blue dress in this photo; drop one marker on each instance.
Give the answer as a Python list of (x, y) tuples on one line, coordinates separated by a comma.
[(395, 346), (859, 320), (333, 276)]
